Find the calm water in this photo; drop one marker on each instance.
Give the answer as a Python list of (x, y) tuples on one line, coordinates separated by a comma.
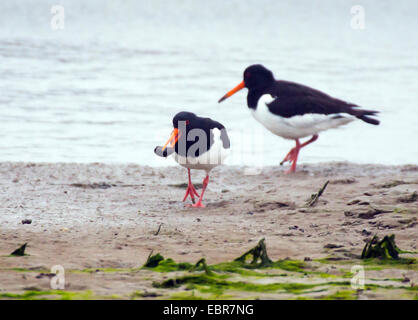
[(106, 86)]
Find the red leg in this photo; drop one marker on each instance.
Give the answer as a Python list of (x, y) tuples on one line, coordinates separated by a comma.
[(289, 156), (190, 189), (199, 204), (292, 156), (314, 138)]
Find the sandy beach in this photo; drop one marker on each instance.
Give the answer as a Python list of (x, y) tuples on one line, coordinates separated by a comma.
[(100, 222)]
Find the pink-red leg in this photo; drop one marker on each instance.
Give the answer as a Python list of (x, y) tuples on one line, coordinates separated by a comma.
[(314, 138), (290, 155), (293, 158), (190, 189), (293, 154), (199, 204)]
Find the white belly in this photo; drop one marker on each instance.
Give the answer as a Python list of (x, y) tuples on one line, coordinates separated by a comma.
[(297, 126), (210, 159)]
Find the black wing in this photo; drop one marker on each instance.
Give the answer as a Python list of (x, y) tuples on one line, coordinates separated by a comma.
[(212, 124), (207, 125), (293, 99)]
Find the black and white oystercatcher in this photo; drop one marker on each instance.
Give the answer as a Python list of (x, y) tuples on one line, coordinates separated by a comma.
[(295, 111), (197, 143)]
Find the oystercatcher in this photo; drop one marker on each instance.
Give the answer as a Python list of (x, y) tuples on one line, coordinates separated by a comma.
[(197, 143), (295, 111)]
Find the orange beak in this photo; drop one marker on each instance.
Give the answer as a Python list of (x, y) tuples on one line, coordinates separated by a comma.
[(230, 93), (173, 138)]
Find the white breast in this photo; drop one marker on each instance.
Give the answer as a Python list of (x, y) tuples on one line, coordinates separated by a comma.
[(297, 126), (213, 157)]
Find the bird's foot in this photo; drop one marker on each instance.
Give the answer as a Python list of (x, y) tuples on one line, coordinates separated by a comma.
[(291, 156), (190, 191), (197, 205)]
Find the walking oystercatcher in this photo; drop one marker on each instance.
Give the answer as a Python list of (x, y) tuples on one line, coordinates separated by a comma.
[(294, 111), (197, 143)]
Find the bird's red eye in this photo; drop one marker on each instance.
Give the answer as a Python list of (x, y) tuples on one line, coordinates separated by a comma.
[(187, 122)]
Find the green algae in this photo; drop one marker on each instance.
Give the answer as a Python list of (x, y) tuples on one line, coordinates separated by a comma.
[(38, 294), (216, 285), (27, 295), (290, 265), (258, 256), (385, 248), (158, 263), (244, 274), (153, 260), (300, 267), (236, 267), (375, 263), (202, 263), (169, 265), (338, 295), (341, 295), (380, 264)]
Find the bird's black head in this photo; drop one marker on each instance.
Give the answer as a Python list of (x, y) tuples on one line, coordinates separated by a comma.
[(181, 122), (184, 116), (256, 78)]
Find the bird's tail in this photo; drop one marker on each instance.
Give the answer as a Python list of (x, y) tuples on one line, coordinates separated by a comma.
[(365, 115), (369, 120)]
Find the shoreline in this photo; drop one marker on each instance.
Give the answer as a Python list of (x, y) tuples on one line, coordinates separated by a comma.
[(107, 216)]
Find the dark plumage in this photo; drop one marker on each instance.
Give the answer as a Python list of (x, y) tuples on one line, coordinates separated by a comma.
[(196, 143), (296, 99), (293, 110), (188, 122)]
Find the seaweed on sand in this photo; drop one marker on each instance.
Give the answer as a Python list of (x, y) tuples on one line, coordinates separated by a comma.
[(385, 248), (204, 266), (158, 263), (153, 260), (19, 251), (260, 259), (230, 277), (315, 196)]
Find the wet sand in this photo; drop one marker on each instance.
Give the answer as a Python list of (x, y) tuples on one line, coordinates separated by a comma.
[(106, 217)]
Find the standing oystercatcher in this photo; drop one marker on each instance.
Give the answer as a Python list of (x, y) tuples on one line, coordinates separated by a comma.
[(294, 111), (197, 143)]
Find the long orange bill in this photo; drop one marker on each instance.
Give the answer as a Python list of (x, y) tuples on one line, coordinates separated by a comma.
[(173, 138), (230, 93)]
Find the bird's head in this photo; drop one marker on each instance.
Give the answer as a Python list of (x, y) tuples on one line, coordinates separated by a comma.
[(181, 121), (183, 118), (256, 77)]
